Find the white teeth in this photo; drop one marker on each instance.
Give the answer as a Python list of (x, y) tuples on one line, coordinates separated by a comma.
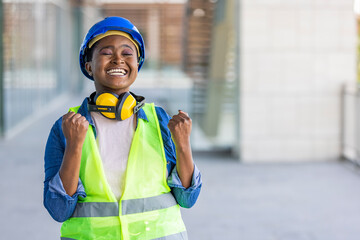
[(117, 71), (117, 74)]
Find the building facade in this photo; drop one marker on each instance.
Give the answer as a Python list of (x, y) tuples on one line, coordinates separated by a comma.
[(295, 58), (266, 76)]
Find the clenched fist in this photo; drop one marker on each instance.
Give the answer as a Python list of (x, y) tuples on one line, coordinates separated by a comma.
[(74, 127), (180, 128)]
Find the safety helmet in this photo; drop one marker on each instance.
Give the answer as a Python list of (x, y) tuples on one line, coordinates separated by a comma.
[(107, 24)]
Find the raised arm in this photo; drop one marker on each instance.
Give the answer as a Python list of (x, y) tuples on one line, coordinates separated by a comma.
[(74, 127), (180, 128), (58, 203)]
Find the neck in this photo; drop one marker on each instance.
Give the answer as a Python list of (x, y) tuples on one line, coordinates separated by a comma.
[(116, 91)]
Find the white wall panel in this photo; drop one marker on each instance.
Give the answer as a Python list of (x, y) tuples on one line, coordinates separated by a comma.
[(295, 57)]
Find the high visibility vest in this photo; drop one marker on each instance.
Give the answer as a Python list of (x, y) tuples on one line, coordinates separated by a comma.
[(146, 210)]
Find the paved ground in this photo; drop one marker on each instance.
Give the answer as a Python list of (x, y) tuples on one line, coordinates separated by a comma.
[(305, 201), (298, 201)]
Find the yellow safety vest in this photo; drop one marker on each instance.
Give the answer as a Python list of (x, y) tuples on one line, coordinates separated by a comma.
[(146, 210)]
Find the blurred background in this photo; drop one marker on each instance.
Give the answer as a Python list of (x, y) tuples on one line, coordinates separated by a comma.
[(190, 60), (272, 88)]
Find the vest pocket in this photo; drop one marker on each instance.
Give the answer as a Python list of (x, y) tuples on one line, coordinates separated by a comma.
[(85, 228)]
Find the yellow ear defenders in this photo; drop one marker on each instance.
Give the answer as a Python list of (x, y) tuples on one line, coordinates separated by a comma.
[(116, 107)]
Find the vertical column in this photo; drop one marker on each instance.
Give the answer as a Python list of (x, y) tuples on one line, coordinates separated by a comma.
[(78, 37), (357, 95), (2, 98), (358, 49), (222, 68), (153, 39), (357, 15), (237, 26), (217, 70)]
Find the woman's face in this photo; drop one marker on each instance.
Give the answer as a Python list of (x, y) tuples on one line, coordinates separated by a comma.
[(114, 65)]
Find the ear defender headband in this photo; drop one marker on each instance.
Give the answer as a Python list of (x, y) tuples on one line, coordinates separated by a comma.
[(116, 107)]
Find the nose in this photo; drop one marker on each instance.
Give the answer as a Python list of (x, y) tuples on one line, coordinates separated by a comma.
[(117, 59)]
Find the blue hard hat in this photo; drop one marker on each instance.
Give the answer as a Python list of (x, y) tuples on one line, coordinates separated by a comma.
[(111, 23)]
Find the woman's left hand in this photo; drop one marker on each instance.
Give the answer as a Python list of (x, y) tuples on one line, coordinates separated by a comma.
[(180, 128)]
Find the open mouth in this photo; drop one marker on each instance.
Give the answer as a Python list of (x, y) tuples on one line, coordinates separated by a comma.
[(117, 72)]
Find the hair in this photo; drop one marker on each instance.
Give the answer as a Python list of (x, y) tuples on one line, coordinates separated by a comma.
[(89, 52)]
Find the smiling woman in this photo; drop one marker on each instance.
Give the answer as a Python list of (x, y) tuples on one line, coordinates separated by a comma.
[(126, 175)]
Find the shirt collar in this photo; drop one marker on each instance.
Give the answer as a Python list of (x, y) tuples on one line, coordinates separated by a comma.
[(142, 115)]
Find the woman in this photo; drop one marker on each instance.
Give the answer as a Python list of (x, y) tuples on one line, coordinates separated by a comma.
[(116, 168)]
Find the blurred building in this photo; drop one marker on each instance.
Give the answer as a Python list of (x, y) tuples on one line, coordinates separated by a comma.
[(39, 57), (262, 80), (161, 25), (295, 58)]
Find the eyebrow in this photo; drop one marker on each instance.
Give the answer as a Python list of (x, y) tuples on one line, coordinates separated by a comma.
[(111, 46)]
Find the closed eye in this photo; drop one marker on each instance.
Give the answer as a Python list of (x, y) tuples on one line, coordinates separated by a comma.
[(127, 53), (105, 52)]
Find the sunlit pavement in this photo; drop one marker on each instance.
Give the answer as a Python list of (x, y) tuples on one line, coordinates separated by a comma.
[(292, 201), (303, 201)]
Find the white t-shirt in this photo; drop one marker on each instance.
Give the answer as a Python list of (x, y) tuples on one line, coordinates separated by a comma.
[(114, 141)]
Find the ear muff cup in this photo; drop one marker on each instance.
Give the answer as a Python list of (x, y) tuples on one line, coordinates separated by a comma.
[(107, 99), (125, 106)]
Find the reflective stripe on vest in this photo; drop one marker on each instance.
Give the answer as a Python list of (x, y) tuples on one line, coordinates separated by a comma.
[(96, 209), (176, 236), (130, 206), (162, 201)]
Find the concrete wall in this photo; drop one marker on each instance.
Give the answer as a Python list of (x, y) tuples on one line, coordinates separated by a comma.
[(295, 56)]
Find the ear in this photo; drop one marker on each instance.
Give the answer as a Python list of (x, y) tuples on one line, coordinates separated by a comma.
[(88, 68)]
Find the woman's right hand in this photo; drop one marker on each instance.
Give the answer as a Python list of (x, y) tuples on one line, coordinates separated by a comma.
[(74, 127)]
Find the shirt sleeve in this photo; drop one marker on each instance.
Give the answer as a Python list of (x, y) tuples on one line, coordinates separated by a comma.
[(59, 204), (185, 197)]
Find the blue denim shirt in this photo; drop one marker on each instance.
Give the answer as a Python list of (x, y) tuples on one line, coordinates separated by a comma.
[(61, 206)]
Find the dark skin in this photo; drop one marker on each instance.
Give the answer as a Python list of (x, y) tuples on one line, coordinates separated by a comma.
[(114, 68)]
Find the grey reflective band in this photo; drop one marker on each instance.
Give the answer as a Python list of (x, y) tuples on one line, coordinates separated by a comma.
[(96, 209), (147, 204), (176, 236), (111, 209)]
